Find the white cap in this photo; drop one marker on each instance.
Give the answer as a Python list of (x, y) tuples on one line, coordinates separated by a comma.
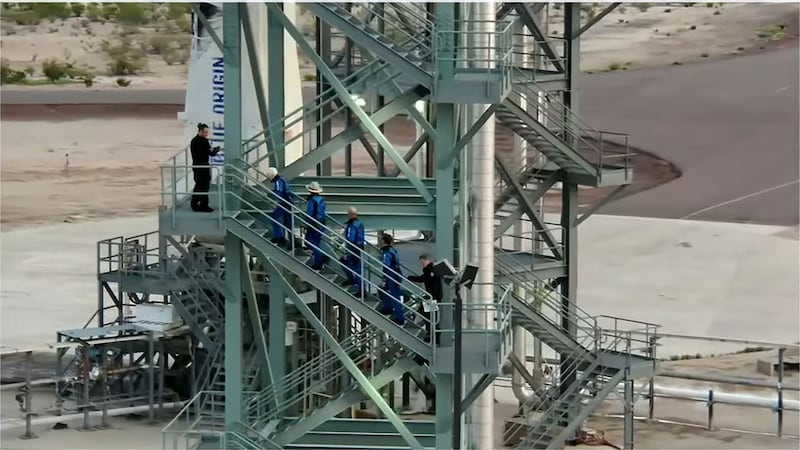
[(272, 173), (314, 188)]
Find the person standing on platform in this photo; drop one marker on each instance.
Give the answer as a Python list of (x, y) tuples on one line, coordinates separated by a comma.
[(353, 245), (433, 286), (390, 289), (282, 214), (315, 209), (201, 150)]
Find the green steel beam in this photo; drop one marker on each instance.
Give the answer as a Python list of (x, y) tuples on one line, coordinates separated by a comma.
[(268, 376), (277, 330), (509, 220), (210, 30), (527, 16), (474, 128), (483, 382), (231, 34), (412, 152), (596, 19), (527, 205), (364, 142), (327, 73), (348, 363), (275, 82), (613, 195), (233, 330), (258, 82), (350, 134), (443, 146)]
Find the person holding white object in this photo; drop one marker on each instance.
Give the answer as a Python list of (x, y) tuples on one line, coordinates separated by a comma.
[(201, 151)]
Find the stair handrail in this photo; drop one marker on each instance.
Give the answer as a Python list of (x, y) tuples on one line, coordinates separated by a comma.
[(255, 405), (369, 262), (533, 237), (569, 123), (574, 389), (298, 199), (376, 66), (397, 27)]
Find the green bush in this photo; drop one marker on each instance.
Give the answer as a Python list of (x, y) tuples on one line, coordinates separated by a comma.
[(54, 70), (177, 10), (126, 64), (9, 75), (131, 13), (77, 9), (52, 10), (110, 10), (122, 82), (93, 13), (24, 17), (176, 56), (184, 24)]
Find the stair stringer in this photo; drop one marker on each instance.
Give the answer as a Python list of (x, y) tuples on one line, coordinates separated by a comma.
[(330, 288), (337, 405)]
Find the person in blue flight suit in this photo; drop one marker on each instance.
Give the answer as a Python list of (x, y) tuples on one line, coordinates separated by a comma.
[(353, 246), (282, 214), (315, 208), (390, 289)]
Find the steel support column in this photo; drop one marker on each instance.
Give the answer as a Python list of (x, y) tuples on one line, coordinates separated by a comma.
[(231, 35), (445, 244), (276, 83), (569, 284), (277, 328), (233, 329), (344, 95), (258, 82)]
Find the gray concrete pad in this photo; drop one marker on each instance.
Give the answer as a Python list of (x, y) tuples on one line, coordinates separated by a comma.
[(701, 278)]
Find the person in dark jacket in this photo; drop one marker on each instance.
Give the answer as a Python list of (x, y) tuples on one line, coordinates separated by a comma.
[(390, 292), (315, 209), (353, 245), (281, 215), (201, 150), (433, 286)]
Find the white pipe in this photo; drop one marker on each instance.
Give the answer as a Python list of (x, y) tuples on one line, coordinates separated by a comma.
[(725, 397), (483, 224), (79, 416)]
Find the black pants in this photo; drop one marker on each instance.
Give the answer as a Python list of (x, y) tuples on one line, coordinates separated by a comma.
[(202, 182)]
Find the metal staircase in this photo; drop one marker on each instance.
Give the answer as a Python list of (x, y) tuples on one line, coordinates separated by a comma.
[(253, 225), (267, 410), (564, 139), (403, 43)]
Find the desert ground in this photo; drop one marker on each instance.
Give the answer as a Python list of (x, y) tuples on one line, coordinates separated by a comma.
[(114, 157)]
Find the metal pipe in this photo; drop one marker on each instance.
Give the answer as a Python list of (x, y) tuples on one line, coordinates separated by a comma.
[(69, 417), (483, 222)]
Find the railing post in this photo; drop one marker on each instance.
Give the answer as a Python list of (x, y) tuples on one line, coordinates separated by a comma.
[(710, 409), (781, 353), (651, 384), (28, 397)]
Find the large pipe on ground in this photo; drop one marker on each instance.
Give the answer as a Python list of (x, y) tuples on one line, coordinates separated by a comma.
[(52, 420)]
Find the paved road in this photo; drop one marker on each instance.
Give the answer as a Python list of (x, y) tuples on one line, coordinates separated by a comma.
[(731, 125)]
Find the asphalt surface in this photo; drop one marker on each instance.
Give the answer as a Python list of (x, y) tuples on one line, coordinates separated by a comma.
[(730, 125)]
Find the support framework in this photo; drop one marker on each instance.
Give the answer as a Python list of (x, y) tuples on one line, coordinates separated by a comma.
[(255, 318)]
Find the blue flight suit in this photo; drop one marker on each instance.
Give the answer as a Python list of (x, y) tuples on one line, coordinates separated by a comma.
[(315, 208), (390, 299), (282, 214), (354, 238)]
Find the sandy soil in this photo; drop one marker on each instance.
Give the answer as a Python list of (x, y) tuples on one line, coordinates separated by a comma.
[(627, 38)]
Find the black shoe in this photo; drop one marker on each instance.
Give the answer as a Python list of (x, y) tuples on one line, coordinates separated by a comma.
[(399, 322), (346, 283), (205, 209), (385, 311)]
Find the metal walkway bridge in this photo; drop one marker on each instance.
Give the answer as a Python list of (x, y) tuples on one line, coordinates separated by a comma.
[(279, 351)]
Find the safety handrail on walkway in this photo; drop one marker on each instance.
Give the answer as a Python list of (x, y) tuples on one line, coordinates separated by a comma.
[(297, 199), (332, 239)]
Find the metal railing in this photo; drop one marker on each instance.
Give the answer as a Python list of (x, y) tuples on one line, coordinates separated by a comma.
[(569, 127), (332, 246), (177, 186), (531, 240), (465, 55), (560, 416), (534, 58)]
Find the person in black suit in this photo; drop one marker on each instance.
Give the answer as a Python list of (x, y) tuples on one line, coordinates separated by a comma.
[(201, 151)]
